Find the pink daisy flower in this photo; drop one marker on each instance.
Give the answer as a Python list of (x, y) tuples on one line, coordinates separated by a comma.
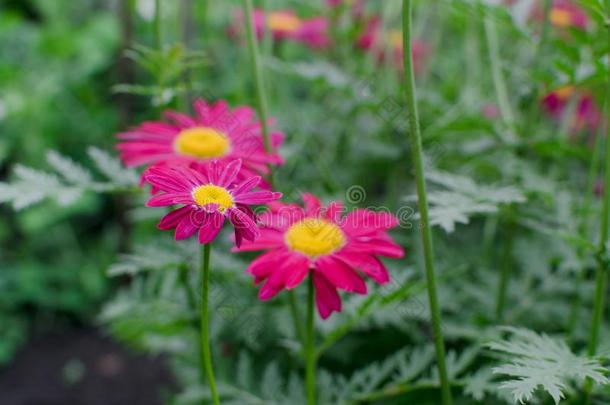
[(208, 197), (215, 133), (336, 250), (566, 14), (586, 115), (563, 14), (372, 41), (286, 25)]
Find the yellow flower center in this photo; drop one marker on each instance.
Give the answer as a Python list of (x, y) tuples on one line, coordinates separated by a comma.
[(202, 143), (396, 39), (314, 237), (211, 194), (565, 92), (283, 22), (561, 18)]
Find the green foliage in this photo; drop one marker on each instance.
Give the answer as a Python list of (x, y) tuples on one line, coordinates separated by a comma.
[(68, 181), (536, 360), (66, 85)]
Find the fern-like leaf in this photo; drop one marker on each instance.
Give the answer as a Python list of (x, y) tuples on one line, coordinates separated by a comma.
[(537, 360)]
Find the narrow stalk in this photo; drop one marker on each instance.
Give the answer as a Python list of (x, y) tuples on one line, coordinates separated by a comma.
[(309, 350), (426, 232), (505, 271), (257, 71), (602, 257), (499, 82), (601, 277), (296, 317), (157, 22), (205, 322), (582, 230), (539, 59), (263, 113)]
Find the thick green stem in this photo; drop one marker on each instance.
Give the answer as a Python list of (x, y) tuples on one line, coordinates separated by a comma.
[(505, 271), (600, 279), (499, 82), (309, 350), (257, 71), (205, 322), (602, 256), (426, 231), (157, 22)]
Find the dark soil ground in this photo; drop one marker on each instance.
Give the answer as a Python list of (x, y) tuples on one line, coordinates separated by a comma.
[(82, 367)]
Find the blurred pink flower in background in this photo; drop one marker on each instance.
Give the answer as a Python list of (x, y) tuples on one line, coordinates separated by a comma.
[(286, 25), (563, 14), (587, 115), (372, 40), (490, 111)]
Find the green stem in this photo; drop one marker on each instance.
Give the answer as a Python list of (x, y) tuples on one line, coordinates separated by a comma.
[(601, 277), (309, 349), (157, 22), (539, 59), (263, 113), (505, 272), (296, 317), (498, 77), (584, 224), (426, 231), (205, 321), (257, 71), (602, 257), (188, 290)]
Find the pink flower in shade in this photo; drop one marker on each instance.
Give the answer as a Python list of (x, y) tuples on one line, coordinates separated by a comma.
[(567, 14), (208, 197), (372, 41), (563, 14), (336, 250), (286, 25), (586, 114), (215, 133)]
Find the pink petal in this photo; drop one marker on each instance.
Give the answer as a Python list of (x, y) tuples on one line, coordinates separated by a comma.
[(340, 275), (312, 205), (186, 228), (162, 200), (245, 227), (182, 120), (334, 211), (171, 220), (229, 173), (258, 197), (369, 265), (210, 227), (363, 221), (327, 298), (376, 246), (247, 185)]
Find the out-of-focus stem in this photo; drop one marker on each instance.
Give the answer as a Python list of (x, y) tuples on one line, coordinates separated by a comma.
[(157, 22), (499, 81), (602, 259), (205, 323), (257, 71), (309, 352), (426, 231)]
